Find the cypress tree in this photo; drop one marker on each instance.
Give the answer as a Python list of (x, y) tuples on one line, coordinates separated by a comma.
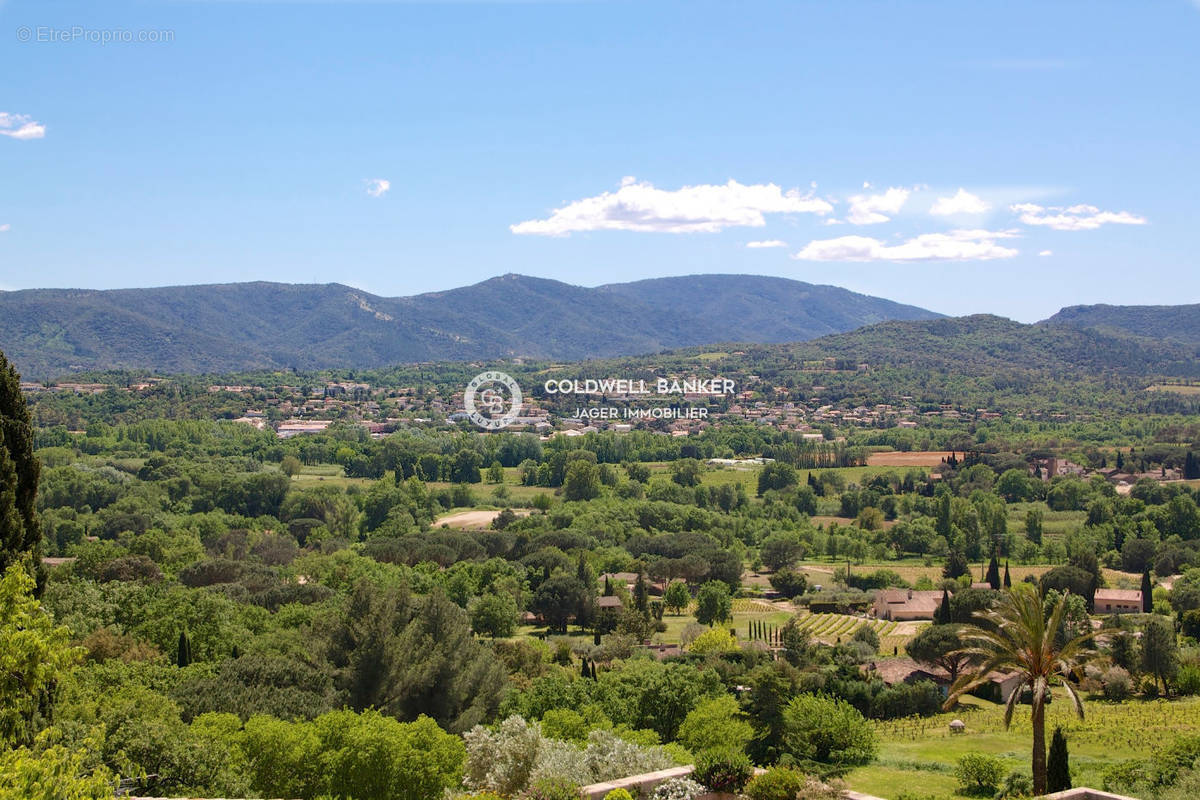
[(593, 670), (641, 596), (184, 655), (1058, 770), (1190, 468), (943, 615), (584, 671), (1147, 592), (1007, 578), (20, 530), (583, 612), (993, 573)]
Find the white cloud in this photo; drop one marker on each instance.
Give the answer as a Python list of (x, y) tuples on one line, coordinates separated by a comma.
[(1046, 253), (767, 243), (1073, 218), (707, 208), (5, 228), (960, 245), (962, 202), (20, 126), (871, 209), (378, 187)]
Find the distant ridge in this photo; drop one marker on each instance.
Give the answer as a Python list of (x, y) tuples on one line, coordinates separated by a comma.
[(1174, 323), (243, 326)]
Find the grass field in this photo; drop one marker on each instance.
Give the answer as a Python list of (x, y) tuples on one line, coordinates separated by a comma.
[(331, 474), (745, 610), (919, 755), (820, 571), (1174, 388)]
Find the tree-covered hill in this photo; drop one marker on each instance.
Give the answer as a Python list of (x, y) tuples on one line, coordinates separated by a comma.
[(222, 328), (1177, 323)]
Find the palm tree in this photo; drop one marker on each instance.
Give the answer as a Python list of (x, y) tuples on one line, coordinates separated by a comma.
[(1017, 635)]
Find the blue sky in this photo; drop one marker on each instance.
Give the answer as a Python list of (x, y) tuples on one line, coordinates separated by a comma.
[(596, 142)]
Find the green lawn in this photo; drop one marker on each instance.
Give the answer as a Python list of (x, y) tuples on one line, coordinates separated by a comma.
[(744, 611)]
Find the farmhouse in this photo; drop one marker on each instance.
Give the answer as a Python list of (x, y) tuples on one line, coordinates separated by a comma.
[(905, 604), (893, 671), (998, 687), (1118, 601)]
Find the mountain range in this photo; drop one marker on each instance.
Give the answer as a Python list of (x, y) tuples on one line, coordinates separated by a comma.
[(245, 326), (250, 326)]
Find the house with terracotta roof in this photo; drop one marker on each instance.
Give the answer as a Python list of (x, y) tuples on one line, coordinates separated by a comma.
[(906, 604), (893, 671), (1118, 601)]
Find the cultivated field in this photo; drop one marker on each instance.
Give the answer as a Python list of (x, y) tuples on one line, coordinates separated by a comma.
[(917, 756), (916, 458)]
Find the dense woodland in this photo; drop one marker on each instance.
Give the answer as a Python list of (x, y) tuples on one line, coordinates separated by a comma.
[(194, 607)]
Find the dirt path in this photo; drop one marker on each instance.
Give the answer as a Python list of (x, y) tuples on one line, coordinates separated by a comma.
[(471, 520)]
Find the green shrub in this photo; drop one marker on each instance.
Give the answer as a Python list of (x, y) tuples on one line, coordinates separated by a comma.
[(777, 783), (1187, 681), (827, 730), (552, 789), (1117, 684), (1016, 784), (618, 794), (978, 773), (723, 770)]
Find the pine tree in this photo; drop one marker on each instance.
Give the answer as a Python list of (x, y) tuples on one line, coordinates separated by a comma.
[(20, 530), (1007, 577), (956, 565), (1147, 592), (184, 655), (1058, 769)]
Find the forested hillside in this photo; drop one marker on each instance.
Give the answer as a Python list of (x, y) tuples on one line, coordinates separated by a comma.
[(219, 328), (1177, 323)]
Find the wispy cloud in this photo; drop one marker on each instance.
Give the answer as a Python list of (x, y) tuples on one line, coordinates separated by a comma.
[(20, 126), (1073, 218), (959, 245), (872, 209), (706, 208), (1046, 253), (766, 243), (5, 228), (378, 187), (962, 202)]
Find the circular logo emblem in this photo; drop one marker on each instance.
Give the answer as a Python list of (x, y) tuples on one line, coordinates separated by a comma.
[(492, 400)]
